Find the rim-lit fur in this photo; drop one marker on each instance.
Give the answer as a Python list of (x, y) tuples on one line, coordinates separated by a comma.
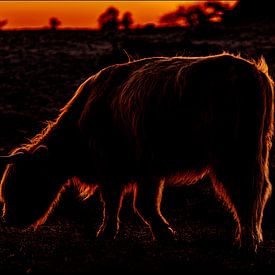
[(138, 126)]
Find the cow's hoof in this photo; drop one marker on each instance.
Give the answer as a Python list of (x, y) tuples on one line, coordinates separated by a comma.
[(247, 249), (106, 234), (166, 235)]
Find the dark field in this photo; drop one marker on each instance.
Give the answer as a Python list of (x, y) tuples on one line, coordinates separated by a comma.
[(39, 72)]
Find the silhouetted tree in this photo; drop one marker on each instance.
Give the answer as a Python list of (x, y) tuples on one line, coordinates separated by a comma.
[(127, 20), (201, 15), (108, 20), (177, 17), (3, 23), (149, 26), (219, 10), (54, 23), (192, 17), (196, 17)]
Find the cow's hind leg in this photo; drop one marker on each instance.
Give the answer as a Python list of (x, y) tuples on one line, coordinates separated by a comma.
[(245, 193), (147, 201), (112, 200), (267, 187)]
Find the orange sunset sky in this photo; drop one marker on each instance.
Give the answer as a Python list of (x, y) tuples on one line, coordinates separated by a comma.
[(82, 14)]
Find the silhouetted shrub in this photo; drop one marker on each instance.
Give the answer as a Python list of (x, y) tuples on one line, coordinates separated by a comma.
[(3, 23), (54, 23), (127, 20), (108, 20)]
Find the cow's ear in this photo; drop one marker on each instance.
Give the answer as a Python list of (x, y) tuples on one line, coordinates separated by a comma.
[(12, 158)]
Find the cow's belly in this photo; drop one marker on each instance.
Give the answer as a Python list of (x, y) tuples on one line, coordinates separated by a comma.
[(187, 177)]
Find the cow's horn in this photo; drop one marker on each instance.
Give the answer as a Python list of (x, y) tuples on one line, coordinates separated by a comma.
[(12, 158)]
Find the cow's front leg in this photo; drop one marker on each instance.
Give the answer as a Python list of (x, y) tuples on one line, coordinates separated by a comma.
[(112, 201), (147, 201)]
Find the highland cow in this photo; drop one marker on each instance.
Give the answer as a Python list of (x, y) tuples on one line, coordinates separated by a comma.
[(145, 124)]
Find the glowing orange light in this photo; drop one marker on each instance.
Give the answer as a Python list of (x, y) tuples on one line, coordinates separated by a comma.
[(84, 14)]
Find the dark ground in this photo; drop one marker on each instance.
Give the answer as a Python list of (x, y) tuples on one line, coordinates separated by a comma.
[(39, 72)]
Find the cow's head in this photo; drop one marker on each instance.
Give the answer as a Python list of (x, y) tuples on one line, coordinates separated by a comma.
[(30, 186)]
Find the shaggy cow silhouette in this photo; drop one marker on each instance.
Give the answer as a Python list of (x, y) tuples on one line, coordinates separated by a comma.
[(139, 126)]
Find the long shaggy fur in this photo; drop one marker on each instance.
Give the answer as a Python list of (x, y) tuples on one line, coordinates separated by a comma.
[(138, 126)]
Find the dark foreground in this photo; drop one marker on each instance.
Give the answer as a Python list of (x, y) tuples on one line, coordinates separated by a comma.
[(204, 243), (39, 73)]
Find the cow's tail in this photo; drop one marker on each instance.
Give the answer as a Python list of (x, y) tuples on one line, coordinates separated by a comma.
[(265, 139), (260, 107)]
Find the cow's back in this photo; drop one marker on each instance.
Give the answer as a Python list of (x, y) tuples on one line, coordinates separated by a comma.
[(167, 113)]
